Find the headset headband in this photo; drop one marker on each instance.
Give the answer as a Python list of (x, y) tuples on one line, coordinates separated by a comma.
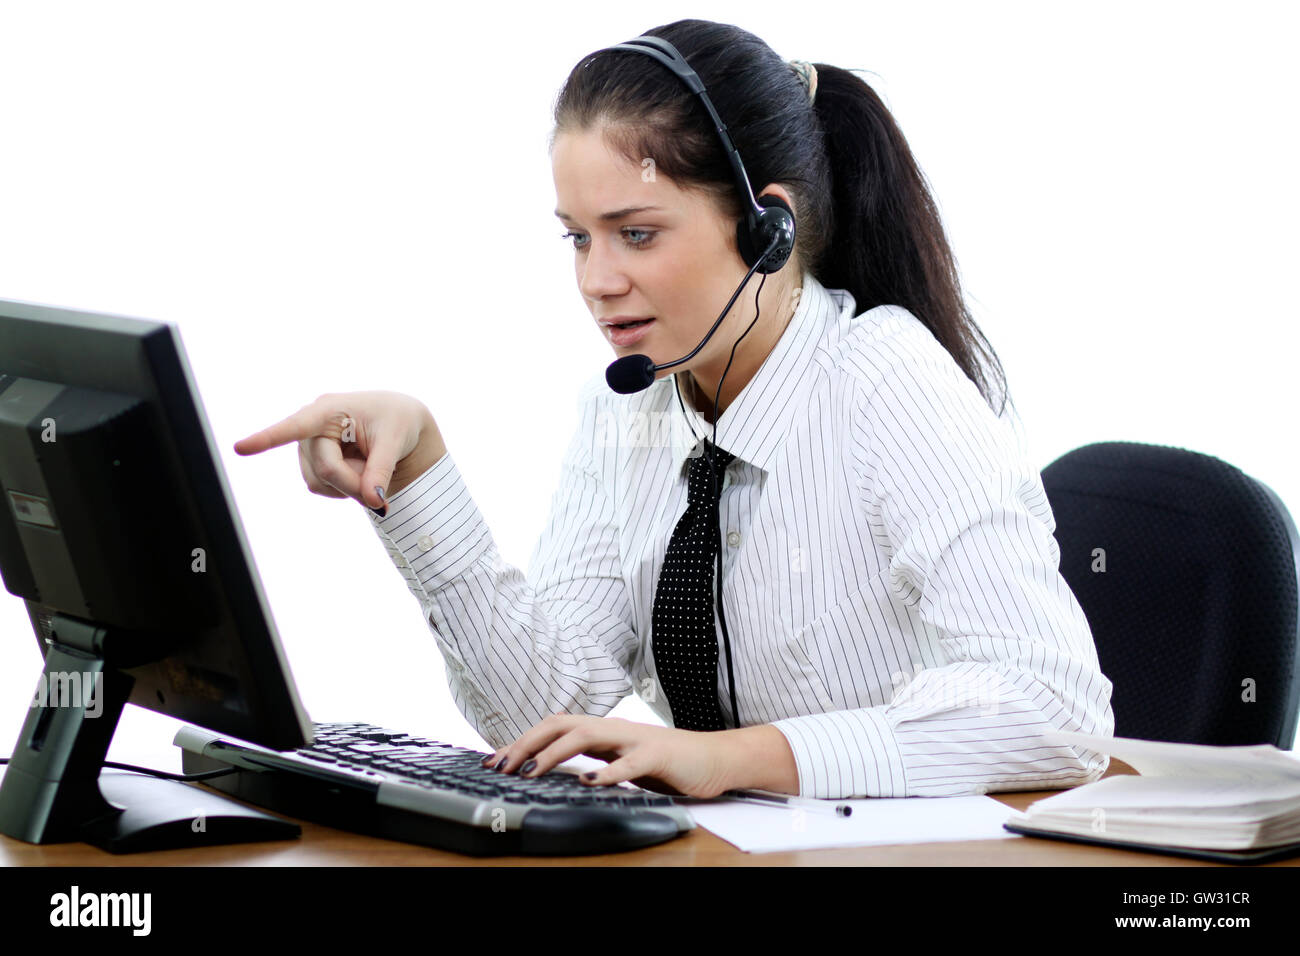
[(668, 55)]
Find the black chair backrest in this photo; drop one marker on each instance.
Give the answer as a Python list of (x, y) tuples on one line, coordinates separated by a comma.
[(1186, 569)]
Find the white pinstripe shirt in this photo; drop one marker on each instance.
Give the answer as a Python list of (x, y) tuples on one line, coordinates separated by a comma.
[(890, 584)]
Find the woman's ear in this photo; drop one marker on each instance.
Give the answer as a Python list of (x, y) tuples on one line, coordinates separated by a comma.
[(774, 232), (776, 189)]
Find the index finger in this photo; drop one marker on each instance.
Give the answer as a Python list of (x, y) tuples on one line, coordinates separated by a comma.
[(307, 422), (537, 736)]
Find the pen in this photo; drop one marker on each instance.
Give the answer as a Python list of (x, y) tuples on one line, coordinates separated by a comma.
[(786, 800)]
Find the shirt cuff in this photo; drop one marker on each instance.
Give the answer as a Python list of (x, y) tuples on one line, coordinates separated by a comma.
[(846, 753), (433, 527)]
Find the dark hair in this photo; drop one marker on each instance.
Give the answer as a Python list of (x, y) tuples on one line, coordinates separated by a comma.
[(866, 220)]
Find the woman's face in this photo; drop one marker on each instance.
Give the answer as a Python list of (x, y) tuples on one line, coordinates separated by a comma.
[(645, 249)]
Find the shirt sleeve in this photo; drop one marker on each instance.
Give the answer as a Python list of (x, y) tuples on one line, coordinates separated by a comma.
[(517, 647), (952, 500)]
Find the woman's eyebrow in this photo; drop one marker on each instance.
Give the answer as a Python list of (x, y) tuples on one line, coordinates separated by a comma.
[(614, 214)]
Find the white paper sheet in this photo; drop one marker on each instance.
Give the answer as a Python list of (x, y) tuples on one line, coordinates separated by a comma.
[(875, 822)]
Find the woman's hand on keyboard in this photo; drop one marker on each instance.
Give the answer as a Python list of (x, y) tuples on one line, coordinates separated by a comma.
[(664, 759), (351, 444)]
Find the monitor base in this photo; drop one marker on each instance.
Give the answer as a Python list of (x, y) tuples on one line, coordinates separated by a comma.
[(56, 790), (163, 814)]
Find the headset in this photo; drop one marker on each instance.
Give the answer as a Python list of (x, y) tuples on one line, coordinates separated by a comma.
[(767, 223), (765, 237)]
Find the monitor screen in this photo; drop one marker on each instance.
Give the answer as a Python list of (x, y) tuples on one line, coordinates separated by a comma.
[(118, 525)]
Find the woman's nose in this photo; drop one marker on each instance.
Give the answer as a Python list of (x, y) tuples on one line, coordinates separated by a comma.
[(600, 273)]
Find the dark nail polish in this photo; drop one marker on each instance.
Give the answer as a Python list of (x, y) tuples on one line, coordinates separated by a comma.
[(528, 767), (501, 763), (589, 775)]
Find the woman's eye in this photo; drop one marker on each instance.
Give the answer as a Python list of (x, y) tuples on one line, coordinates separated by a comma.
[(637, 242), (632, 238)]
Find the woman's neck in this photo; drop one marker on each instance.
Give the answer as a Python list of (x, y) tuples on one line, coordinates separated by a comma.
[(702, 403), (704, 386)]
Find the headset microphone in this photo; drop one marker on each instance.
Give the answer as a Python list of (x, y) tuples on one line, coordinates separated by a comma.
[(632, 373)]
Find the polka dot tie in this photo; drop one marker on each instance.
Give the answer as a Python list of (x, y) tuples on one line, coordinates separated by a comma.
[(684, 640)]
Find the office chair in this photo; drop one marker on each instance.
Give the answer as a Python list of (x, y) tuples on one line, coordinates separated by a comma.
[(1186, 569)]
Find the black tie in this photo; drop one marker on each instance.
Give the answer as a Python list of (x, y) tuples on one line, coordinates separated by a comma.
[(683, 636)]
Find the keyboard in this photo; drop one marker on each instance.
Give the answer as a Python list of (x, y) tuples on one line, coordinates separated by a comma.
[(368, 779)]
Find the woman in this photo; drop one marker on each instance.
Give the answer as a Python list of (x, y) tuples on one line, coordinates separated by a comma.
[(890, 583)]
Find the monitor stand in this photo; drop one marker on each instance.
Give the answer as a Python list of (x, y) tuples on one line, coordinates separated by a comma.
[(56, 790)]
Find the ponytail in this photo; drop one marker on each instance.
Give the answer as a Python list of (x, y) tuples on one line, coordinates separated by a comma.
[(889, 246)]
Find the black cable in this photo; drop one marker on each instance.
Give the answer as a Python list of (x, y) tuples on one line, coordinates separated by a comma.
[(204, 775), (713, 478)]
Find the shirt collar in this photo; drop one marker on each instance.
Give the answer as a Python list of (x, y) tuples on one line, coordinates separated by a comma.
[(755, 424)]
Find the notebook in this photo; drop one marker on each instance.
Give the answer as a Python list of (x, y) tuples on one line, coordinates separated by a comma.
[(1228, 804)]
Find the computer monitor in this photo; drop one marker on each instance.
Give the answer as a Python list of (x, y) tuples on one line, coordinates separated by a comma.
[(119, 532)]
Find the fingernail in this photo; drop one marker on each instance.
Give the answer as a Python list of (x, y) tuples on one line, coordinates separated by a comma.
[(589, 775), (379, 490), (528, 767), (501, 763)]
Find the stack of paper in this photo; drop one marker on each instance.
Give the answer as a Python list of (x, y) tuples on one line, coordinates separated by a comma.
[(1188, 795)]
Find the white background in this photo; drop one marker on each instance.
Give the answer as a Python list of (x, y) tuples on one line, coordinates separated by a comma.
[(340, 196)]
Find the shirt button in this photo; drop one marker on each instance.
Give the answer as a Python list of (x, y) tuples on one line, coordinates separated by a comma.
[(425, 542), (733, 538)]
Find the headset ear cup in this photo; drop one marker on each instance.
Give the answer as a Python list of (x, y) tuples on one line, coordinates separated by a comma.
[(777, 219)]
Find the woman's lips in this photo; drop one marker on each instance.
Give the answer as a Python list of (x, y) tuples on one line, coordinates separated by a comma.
[(628, 336)]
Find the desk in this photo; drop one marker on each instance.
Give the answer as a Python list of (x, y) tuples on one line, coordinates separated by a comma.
[(325, 846)]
